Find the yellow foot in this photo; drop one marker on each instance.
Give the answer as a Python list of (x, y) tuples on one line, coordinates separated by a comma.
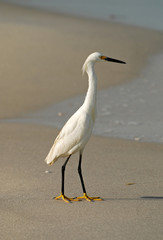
[(66, 199), (90, 199)]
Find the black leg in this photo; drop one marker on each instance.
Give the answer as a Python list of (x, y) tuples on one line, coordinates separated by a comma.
[(63, 174), (62, 196), (85, 196), (80, 173)]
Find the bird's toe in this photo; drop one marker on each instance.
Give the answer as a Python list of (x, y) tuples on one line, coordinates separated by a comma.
[(66, 199), (90, 199)]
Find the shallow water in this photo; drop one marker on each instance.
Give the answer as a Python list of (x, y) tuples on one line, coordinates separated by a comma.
[(131, 111)]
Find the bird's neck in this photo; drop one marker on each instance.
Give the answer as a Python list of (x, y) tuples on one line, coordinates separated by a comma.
[(90, 99)]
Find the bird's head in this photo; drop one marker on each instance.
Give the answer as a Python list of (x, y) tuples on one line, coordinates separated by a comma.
[(95, 57)]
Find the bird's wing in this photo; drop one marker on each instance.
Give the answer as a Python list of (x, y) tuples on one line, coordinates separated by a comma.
[(73, 136), (76, 129)]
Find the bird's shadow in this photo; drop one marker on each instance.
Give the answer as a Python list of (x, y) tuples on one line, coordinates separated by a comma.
[(132, 199), (152, 197)]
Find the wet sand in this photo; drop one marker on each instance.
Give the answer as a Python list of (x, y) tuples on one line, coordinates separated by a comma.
[(128, 175), (41, 58)]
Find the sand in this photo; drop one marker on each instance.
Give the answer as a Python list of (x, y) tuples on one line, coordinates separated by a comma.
[(40, 53)]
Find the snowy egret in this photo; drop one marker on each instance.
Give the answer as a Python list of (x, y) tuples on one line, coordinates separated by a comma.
[(76, 132)]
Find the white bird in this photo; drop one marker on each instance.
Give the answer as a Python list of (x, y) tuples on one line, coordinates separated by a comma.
[(76, 132)]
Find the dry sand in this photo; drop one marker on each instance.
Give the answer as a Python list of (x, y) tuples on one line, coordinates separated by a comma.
[(40, 53)]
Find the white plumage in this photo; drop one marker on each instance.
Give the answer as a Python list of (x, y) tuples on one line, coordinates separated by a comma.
[(73, 136), (76, 132)]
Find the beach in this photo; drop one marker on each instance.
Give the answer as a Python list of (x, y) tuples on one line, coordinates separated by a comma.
[(41, 59)]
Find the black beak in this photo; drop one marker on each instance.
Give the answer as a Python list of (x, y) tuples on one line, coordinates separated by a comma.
[(113, 60)]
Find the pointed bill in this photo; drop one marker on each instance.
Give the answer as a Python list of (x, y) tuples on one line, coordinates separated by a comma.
[(112, 60)]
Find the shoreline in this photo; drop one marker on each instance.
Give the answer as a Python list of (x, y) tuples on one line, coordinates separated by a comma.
[(44, 107), (116, 117), (46, 43)]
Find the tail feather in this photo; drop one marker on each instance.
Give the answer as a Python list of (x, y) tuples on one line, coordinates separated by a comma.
[(51, 158)]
